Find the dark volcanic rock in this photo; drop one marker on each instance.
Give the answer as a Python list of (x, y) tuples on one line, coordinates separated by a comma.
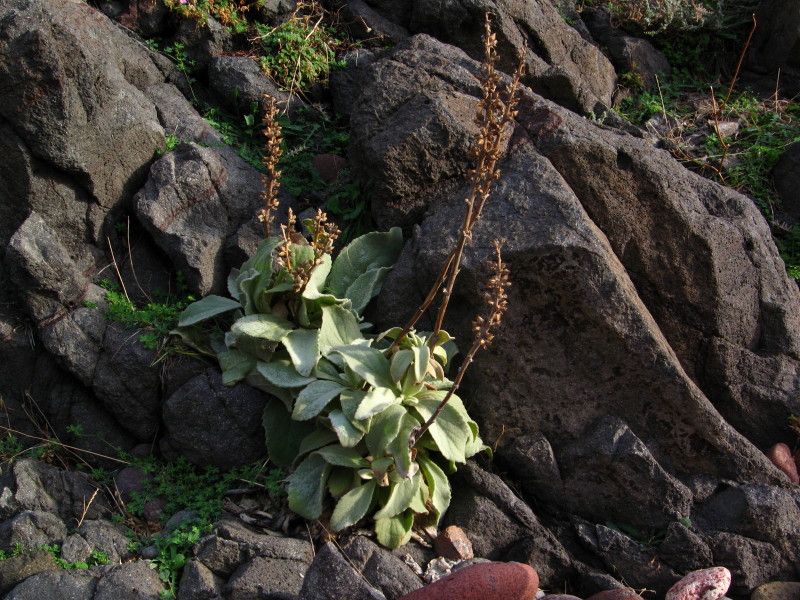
[(213, 424)]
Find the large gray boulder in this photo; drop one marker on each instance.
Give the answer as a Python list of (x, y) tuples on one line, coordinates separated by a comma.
[(70, 90), (652, 335)]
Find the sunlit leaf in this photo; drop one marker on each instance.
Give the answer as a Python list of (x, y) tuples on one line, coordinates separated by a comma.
[(369, 363), (314, 398), (353, 506), (266, 327), (207, 307), (282, 374), (303, 348), (395, 531), (370, 251), (451, 430), (349, 435), (383, 429), (375, 400), (343, 457), (400, 498), (366, 287), (438, 485), (339, 328), (400, 363)]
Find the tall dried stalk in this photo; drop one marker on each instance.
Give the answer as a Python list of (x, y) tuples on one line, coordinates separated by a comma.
[(271, 179), (496, 111), (497, 301)]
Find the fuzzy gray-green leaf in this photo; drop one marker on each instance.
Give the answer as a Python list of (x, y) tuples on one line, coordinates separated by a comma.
[(369, 363), (265, 327), (400, 363), (400, 498), (395, 531), (235, 366), (450, 430), (374, 401), (366, 287), (207, 307), (353, 506), (303, 348), (343, 457), (349, 435), (307, 487), (339, 328), (370, 251), (282, 374), (314, 398), (383, 429), (437, 484)]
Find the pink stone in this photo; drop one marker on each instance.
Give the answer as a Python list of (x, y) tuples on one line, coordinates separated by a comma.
[(781, 457), (454, 544), (618, 594), (705, 584), (484, 581)]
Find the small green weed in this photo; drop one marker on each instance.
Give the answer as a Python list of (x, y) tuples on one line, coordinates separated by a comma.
[(242, 131), (228, 12), (95, 559), (155, 318), (300, 51)]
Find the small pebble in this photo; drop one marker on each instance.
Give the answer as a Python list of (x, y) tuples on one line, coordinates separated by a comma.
[(485, 581), (777, 590), (129, 481), (454, 544), (329, 166), (560, 597), (781, 457), (618, 594), (705, 584)]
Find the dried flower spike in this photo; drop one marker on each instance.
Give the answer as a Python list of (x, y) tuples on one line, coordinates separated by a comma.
[(271, 179)]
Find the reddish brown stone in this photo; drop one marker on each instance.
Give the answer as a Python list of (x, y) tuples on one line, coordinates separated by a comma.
[(454, 544), (781, 457), (618, 594), (329, 166), (484, 581)]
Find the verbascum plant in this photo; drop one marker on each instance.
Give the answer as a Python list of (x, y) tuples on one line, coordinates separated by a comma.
[(370, 423)]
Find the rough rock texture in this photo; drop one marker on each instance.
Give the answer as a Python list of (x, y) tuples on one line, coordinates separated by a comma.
[(213, 424), (776, 45), (786, 175), (385, 571), (193, 201), (331, 577), (560, 64), (708, 584), (77, 119), (30, 485)]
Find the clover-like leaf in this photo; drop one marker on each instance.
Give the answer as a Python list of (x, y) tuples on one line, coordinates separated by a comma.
[(314, 398), (205, 308), (307, 487), (353, 506)]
